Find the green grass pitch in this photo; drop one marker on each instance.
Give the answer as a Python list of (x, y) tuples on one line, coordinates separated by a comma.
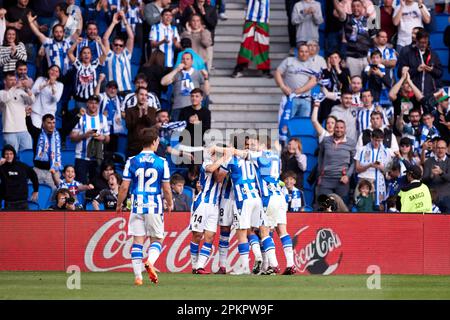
[(114, 285)]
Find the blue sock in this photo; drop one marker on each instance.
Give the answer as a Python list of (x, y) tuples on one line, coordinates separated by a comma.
[(286, 241), (268, 244)]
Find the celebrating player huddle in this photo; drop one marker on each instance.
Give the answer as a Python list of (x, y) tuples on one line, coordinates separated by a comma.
[(239, 189)]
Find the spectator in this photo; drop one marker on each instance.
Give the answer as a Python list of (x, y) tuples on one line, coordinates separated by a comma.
[(331, 203), (442, 117), (198, 121), (255, 40), (386, 23), (403, 54), (424, 65), (407, 15), (437, 175), (356, 86), (371, 162), (406, 155), (130, 100), (71, 184), (294, 197), (192, 176), (2, 24), (376, 122), (388, 54), (317, 61), (64, 201), (69, 22), (165, 37), (293, 159), (108, 196), (137, 118), (185, 78), (292, 30), (395, 180), (434, 199), (46, 149), (346, 112), (118, 61), (100, 181), (391, 204), (333, 32), (101, 13), (91, 132), (180, 200), (294, 76), (11, 51), (415, 197), (329, 123), (335, 162), (207, 12), (48, 92), (198, 62), (22, 75), (427, 130), (91, 41), (365, 201), (154, 70), (363, 120), (14, 177), (152, 16), (357, 35), (200, 37), (133, 15), (86, 71), (410, 127), (307, 16), (13, 102)]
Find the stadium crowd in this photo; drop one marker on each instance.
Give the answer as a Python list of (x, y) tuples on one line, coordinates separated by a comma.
[(376, 99)]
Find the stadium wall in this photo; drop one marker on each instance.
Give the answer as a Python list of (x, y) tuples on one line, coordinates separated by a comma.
[(324, 243)]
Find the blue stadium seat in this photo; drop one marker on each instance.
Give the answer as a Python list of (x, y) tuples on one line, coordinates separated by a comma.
[(26, 156), (443, 56), (437, 40), (45, 194), (70, 145), (309, 144), (311, 162), (71, 104), (122, 142), (309, 197), (306, 185), (190, 194), (441, 21), (31, 70), (134, 70), (67, 157), (34, 206), (308, 208), (136, 56), (82, 198), (301, 126)]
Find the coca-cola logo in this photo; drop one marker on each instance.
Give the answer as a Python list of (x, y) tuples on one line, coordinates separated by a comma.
[(312, 256)]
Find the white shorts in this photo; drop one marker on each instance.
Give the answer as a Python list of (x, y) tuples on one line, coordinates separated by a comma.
[(205, 217), (227, 209), (150, 225), (276, 211), (250, 213)]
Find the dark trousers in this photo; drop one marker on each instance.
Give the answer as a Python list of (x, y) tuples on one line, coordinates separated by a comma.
[(16, 205), (85, 170), (292, 30), (333, 185)]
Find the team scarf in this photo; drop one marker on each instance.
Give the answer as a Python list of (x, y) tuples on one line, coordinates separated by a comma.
[(170, 131), (54, 146), (283, 118), (187, 85)]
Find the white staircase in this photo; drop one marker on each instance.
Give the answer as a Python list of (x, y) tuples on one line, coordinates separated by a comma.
[(250, 102)]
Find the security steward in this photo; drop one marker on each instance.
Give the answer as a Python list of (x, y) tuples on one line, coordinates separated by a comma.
[(414, 197)]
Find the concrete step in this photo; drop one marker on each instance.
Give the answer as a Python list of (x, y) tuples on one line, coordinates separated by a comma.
[(238, 116), (244, 1), (241, 5), (249, 88), (246, 98), (249, 74), (274, 21), (281, 47), (244, 125), (237, 39), (222, 81), (244, 107), (280, 30), (233, 55), (230, 63), (240, 14)]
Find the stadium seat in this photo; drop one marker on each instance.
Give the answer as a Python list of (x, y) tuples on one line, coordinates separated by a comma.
[(134, 70), (136, 56), (441, 21), (82, 198), (26, 156), (301, 126), (67, 157), (31, 70), (190, 194), (437, 40), (71, 104), (443, 56), (45, 194), (308, 208), (122, 142), (70, 145), (33, 206), (311, 162), (309, 144), (309, 197)]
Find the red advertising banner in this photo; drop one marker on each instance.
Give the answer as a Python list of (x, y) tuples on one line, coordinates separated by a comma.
[(324, 243)]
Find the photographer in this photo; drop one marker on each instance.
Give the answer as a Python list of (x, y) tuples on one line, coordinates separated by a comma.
[(64, 201), (331, 203)]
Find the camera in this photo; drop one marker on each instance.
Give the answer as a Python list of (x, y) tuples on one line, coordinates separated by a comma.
[(326, 204), (70, 200)]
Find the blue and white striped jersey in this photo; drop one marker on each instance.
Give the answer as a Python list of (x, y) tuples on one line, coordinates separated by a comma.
[(133, 17), (363, 118), (243, 175), (86, 123), (96, 49), (210, 188), (294, 198), (268, 169), (85, 79), (56, 52), (226, 189), (258, 11), (159, 32), (118, 68), (146, 171), (130, 101)]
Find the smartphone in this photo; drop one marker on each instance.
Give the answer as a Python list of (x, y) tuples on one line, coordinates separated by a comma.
[(95, 130), (377, 162), (373, 66)]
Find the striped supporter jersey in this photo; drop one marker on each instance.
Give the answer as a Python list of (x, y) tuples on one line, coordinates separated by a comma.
[(243, 177), (210, 188), (147, 172), (268, 172), (258, 11), (87, 123), (118, 67), (160, 31)]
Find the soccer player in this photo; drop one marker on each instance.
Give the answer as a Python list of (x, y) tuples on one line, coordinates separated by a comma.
[(267, 162), (205, 212), (148, 175)]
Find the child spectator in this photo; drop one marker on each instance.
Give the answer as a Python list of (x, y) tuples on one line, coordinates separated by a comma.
[(294, 197), (70, 183), (391, 204), (365, 201), (108, 196), (64, 201), (427, 131), (192, 175), (434, 199), (180, 200), (394, 178)]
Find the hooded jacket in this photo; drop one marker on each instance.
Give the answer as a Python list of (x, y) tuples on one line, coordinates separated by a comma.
[(14, 178)]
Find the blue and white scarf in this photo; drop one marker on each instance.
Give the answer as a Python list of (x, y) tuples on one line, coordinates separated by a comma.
[(49, 150), (284, 117), (187, 85)]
